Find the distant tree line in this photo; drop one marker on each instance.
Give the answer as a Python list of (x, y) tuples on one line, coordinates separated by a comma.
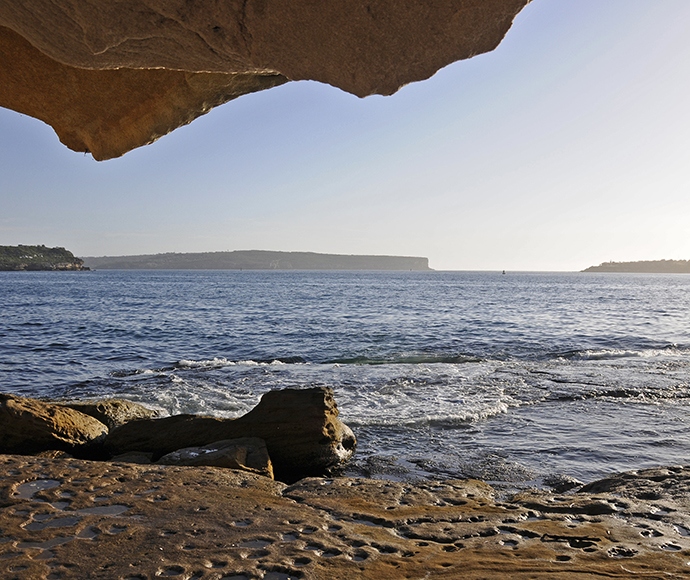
[(38, 258), (648, 266)]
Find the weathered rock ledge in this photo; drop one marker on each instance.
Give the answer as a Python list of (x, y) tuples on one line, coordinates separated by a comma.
[(67, 518), (109, 77)]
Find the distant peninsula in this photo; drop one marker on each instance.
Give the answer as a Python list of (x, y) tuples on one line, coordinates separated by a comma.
[(38, 258), (649, 267), (257, 260)]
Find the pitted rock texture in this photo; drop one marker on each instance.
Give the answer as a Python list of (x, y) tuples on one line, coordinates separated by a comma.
[(228, 48), (65, 518)]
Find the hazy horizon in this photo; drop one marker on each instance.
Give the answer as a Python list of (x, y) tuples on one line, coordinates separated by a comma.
[(562, 149)]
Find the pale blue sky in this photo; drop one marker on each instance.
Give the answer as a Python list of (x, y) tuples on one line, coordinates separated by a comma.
[(567, 146)]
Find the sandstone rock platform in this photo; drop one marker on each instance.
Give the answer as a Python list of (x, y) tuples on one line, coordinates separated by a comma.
[(67, 518)]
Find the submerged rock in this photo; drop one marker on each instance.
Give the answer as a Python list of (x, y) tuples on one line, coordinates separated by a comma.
[(303, 434), (246, 454), (30, 426)]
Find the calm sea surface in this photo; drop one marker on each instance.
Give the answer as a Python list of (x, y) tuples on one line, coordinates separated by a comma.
[(509, 378)]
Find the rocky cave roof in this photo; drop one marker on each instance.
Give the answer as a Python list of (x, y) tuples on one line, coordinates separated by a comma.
[(112, 76)]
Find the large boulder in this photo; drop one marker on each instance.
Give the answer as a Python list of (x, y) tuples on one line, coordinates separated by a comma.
[(301, 429), (247, 454), (112, 76), (30, 426), (113, 412)]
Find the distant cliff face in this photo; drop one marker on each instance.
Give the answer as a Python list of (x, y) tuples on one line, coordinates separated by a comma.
[(36, 258), (258, 260)]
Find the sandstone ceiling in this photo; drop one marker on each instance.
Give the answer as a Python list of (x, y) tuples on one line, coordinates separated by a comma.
[(113, 75)]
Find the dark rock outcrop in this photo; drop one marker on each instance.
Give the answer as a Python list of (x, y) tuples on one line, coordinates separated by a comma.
[(300, 427), (30, 426), (246, 454), (113, 412), (110, 77)]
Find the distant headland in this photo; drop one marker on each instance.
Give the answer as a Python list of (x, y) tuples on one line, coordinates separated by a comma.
[(257, 260), (649, 267), (38, 258)]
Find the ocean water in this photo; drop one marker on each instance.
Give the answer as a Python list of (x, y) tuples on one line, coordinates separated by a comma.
[(514, 379)]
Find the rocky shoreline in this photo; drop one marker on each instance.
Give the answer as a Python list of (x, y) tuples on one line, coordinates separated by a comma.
[(291, 433), (62, 517)]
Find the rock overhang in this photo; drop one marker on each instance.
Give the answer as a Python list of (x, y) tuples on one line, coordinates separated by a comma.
[(110, 77)]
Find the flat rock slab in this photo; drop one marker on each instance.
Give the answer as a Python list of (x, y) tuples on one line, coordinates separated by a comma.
[(66, 518)]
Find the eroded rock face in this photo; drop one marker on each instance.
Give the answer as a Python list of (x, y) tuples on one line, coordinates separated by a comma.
[(301, 429), (162, 63), (30, 426), (79, 519)]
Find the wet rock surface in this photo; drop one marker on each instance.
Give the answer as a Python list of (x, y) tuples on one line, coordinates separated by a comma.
[(66, 518)]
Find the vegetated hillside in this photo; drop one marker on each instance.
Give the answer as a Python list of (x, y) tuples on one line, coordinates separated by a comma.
[(257, 260), (18, 258), (649, 266)]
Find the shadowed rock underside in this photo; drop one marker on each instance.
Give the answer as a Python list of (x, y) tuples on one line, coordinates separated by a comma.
[(112, 76)]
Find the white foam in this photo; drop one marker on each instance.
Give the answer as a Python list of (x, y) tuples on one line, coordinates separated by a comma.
[(214, 362)]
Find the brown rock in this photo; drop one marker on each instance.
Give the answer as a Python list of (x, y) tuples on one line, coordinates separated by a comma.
[(132, 521), (301, 429), (247, 454), (108, 112), (30, 426), (68, 61), (113, 412)]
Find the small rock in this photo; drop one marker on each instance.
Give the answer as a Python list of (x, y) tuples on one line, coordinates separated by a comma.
[(248, 454), (561, 483)]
